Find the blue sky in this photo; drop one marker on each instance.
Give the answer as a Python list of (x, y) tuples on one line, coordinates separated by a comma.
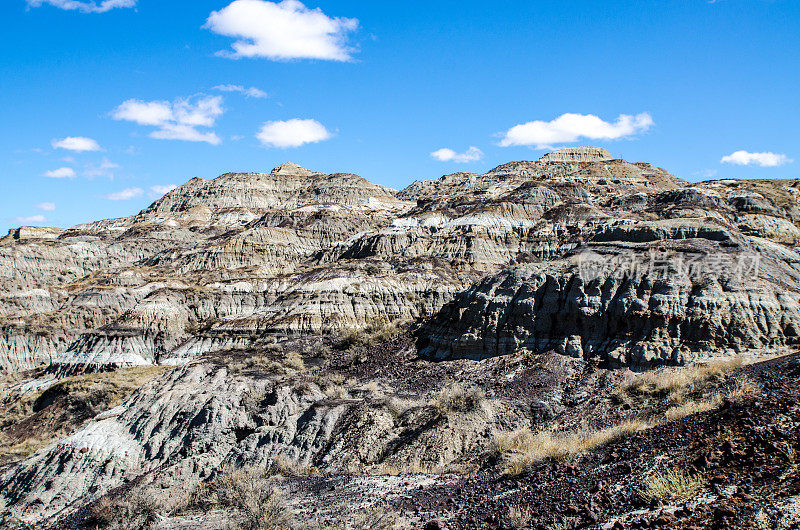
[(121, 98)]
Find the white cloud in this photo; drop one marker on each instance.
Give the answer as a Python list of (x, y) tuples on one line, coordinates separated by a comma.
[(124, 195), (292, 133), (251, 92), (282, 31), (104, 169), (46, 206), (175, 121), (84, 6), (186, 133), (706, 173), (60, 173), (144, 112), (162, 190), (32, 219), (572, 127), (745, 158), (76, 143), (472, 154)]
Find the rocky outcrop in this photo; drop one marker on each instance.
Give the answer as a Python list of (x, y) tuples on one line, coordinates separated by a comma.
[(636, 305), (577, 154), (224, 262)]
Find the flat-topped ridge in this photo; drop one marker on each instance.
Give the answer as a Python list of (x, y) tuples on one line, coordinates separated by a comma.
[(577, 154)]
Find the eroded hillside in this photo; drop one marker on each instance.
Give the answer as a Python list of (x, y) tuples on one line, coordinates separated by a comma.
[(446, 354)]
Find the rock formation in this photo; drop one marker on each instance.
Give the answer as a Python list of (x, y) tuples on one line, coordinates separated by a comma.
[(542, 268), (577, 154)]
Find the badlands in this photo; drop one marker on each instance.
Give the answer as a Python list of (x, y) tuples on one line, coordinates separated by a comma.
[(574, 342)]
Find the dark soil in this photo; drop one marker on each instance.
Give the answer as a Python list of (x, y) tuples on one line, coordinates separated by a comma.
[(742, 451)]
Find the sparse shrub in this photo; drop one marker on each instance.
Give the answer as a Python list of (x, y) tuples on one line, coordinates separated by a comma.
[(372, 387), (294, 361), (454, 398), (517, 518), (672, 484), (372, 335), (248, 491), (283, 465), (136, 510)]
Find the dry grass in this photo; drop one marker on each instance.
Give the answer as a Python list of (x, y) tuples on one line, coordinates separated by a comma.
[(37, 419), (686, 390), (454, 398), (744, 391), (672, 484), (673, 381), (692, 407), (519, 449), (13, 450)]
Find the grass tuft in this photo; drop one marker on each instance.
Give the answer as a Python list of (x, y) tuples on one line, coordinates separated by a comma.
[(454, 398), (671, 485)]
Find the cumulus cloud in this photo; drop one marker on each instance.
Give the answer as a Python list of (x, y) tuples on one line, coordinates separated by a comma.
[(159, 190), (144, 112), (282, 31), (32, 219), (472, 154), (60, 173), (124, 195), (76, 143), (251, 92), (570, 127), (292, 133), (745, 158), (84, 6), (178, 120), (46, 206)]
